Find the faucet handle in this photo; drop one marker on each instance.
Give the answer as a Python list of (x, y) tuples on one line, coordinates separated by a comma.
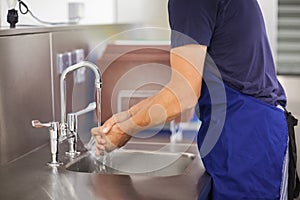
[(53, 131), (38, 124), (89, 108)]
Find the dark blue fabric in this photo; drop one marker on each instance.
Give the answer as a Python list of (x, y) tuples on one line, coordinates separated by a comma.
[(243, 136), (246, 161), (235, 34)]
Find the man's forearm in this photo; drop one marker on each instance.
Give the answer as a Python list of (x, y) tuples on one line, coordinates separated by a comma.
[(163, 107), (180, 94)]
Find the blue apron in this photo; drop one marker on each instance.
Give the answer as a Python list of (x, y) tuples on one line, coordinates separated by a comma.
[(245, 155)]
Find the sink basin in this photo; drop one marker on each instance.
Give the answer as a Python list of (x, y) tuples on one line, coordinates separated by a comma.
[(133, 162)]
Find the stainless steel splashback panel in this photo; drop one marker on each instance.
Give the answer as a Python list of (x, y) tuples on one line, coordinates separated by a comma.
[(29, 81), (25, 93)]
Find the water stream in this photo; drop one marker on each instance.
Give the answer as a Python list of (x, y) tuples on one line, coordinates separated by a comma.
[(102, 160), (98, 115)]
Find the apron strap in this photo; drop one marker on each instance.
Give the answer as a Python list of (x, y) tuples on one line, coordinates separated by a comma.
[(293, 179)]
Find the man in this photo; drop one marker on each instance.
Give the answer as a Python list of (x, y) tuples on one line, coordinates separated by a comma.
[(247, 156)]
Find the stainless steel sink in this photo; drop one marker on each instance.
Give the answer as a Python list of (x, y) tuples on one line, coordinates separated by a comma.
[(134, 162)]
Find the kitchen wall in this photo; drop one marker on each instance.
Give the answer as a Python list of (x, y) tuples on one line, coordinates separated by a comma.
[(152, 13), (270, 12), (96, 11), (148, 12)]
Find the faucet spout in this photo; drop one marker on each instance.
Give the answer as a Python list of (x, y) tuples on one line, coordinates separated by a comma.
[(98, 84)]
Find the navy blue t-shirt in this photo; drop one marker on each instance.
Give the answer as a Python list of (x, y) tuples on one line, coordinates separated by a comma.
[(235, 34)]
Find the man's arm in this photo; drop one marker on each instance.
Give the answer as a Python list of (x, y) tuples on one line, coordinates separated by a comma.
[(180, 94)]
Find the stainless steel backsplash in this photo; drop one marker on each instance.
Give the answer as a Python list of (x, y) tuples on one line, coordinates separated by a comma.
[(29, 82)]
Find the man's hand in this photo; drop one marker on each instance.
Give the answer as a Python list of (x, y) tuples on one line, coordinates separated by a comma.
[(110, 136)]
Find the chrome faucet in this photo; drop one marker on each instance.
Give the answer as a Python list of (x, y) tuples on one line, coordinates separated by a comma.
[(72, 128), (53, 131), (67, 128)]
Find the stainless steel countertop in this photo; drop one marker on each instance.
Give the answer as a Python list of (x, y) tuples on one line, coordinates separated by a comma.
[(30, 178)]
